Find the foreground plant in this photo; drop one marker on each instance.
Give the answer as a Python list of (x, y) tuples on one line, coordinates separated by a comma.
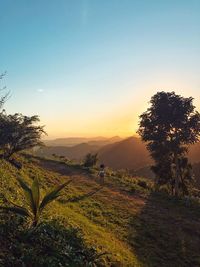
[(35, 205)]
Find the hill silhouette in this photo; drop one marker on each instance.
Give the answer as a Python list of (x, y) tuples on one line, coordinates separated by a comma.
[(72, 141), (130, 153), (76, 152)]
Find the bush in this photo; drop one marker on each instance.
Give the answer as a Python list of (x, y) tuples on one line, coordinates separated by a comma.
[(123, 173), (90, 160), (50, 244)]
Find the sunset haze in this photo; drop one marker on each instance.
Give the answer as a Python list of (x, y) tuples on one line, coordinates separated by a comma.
[(89, 68)]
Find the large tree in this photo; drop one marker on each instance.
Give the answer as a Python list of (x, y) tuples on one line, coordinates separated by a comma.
[(18, 132), (168, 126)]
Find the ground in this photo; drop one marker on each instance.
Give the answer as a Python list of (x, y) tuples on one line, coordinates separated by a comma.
[(133, 225)]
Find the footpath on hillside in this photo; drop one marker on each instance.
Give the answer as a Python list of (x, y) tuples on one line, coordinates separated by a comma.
[(145, 227), (80, 175)]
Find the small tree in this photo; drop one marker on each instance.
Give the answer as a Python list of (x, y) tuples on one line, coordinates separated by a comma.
[(168, 126), (18, 132), (90, 160)]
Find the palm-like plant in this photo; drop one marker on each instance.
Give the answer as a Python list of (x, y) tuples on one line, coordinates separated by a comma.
[(35, 205)]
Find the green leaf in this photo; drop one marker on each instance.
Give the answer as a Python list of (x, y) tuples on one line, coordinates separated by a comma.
[(23, 185), (28, 194), (18, 210), (35, 194), (52, 195), (27, 191)]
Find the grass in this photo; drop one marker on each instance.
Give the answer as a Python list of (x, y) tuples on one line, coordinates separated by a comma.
[(124, 218)]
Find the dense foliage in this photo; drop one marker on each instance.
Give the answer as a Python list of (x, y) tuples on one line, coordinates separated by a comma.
[(50, 244), (90, 160), (18, 132), (168, 126)]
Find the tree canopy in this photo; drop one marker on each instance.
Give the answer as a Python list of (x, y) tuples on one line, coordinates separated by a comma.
[(168, 126), (18, 132)]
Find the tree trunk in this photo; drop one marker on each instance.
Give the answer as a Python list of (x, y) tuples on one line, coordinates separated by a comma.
[(176, 176)]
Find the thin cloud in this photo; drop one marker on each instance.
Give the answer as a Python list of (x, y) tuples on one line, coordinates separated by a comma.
[(40, 90)]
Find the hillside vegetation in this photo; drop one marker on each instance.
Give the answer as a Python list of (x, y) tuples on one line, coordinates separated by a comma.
[(122, 223), (130, 153), (76, 152)]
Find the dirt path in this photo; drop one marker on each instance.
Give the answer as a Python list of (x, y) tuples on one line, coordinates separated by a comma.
[(80, 176), (148, 227)]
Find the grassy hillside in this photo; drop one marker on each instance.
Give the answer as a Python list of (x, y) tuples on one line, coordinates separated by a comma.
[(124, 218), (130, 153)]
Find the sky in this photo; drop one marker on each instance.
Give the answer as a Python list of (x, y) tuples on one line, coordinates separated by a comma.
[(89, 67)]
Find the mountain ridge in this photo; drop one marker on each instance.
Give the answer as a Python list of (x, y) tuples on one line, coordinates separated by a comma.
[(72, 141)]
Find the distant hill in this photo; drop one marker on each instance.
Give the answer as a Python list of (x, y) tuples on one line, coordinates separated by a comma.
[(72, 141), (145, 172), (105, 141), (130, 153), (74, 152), (74, 148), (117, 153)]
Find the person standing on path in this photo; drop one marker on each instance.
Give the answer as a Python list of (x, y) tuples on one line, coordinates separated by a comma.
[(102, 173)]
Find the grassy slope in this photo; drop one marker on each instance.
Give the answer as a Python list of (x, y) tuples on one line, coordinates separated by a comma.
[(136, 227)]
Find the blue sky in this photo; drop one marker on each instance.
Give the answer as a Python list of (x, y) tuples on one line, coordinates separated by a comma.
[(89, 67)]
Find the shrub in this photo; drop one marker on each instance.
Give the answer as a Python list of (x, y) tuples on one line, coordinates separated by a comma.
[(90, 160), (50, 244)]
